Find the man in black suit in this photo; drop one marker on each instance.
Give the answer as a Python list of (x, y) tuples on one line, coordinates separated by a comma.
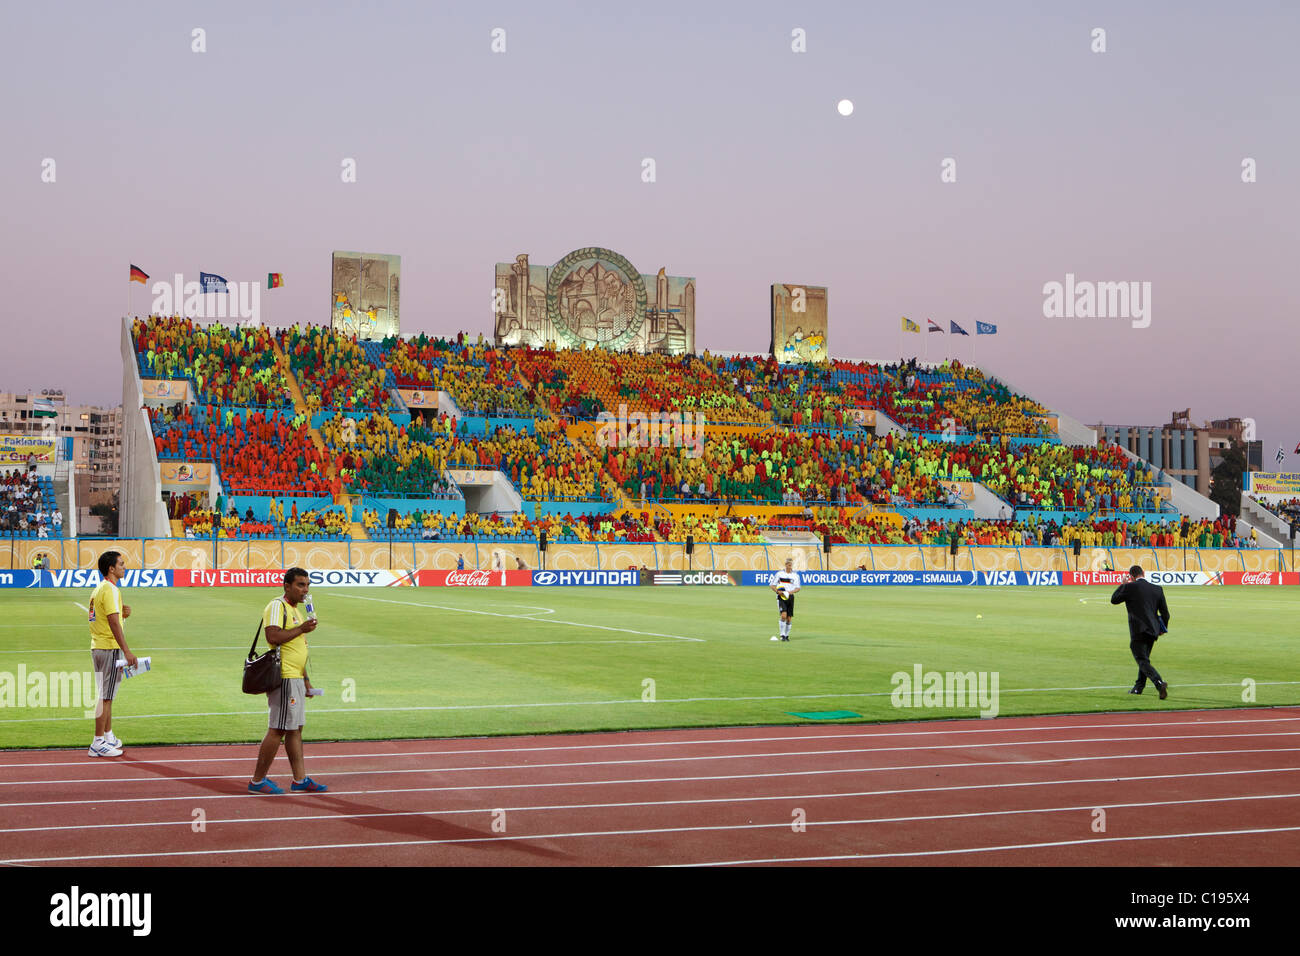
[(1148, 618)]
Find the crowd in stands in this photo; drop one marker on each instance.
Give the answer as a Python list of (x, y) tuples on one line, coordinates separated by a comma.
[(375, 455), (923, 399), (820, 460), (227, 366), (1287, 509), (332, 370), (24, 508), (431, 525), (320, 523), (257, 452)]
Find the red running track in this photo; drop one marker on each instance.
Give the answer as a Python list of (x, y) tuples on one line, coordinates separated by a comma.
[(1211, 788)]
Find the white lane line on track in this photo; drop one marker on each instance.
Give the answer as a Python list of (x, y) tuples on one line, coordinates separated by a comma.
[(787, 738), (526, 617), (244, 795), (127, 764), (609, 763), (599, 703), (485, 811), (648, 831), (983, 849)]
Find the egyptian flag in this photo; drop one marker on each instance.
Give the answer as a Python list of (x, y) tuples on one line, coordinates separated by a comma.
[(139, 275), (957, 329), (934, 326), (910, 326), (274, 280)]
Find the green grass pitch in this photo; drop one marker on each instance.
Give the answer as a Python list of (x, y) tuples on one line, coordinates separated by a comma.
[(445, 662)]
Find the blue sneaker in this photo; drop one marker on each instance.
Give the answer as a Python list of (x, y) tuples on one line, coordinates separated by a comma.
[(266, 786), (309, 786)]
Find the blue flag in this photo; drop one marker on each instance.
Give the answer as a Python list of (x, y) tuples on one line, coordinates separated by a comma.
[(957, 329), (211, 283), (985, 328)]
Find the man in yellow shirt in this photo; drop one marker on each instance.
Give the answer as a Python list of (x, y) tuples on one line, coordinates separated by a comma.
[(287, 624), (107, 612)]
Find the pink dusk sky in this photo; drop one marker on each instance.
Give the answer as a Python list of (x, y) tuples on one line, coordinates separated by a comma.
[(1123, 165)]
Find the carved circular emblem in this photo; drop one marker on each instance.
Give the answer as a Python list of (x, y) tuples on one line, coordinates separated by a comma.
[(595, 297)]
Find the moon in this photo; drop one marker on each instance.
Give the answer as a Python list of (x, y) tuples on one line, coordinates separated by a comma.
[(845, 107)]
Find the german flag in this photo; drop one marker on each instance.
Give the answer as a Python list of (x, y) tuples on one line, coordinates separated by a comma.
[(139, 275), (274, 280)]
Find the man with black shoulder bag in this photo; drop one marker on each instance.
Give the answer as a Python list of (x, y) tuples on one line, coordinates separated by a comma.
[(287, 621)]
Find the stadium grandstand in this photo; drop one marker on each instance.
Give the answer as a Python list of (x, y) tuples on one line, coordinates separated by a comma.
[(303, 435)]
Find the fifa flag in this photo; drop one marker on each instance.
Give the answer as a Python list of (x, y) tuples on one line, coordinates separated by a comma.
[(211, 283), (985, 328), (957, 329), (1280, 454), (935, 326), (910, 326), (274, 280), (139, 275)]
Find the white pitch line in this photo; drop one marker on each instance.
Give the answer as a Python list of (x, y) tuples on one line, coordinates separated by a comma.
[(525, 617), (647, 831), (244, 795), (787, 738), (607, 703), (980, 849), (649, 760), (485, 811), (433, 646)]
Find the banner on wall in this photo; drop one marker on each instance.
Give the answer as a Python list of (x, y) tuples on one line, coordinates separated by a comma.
[(550, 579), (274, 578), (816, 578), (165, 390), (16, 448), (1284, 483), (474, 579), (184, 474), (463, 476), (419, 397), (965, 490), (863, 417)]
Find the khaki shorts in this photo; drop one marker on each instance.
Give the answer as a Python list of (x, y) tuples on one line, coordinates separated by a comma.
[(288, 704), (107, 674)]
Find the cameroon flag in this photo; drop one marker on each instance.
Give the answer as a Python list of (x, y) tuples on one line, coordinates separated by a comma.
[(274, 280), (139, 275)]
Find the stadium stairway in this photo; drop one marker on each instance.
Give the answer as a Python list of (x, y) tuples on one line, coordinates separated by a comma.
[(299, 402), (1272, 529)]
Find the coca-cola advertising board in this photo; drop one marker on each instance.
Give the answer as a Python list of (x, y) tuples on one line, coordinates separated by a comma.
[(474, 579)]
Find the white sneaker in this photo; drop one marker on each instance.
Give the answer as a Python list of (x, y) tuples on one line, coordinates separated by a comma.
[(112, 741), (104, 749)]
